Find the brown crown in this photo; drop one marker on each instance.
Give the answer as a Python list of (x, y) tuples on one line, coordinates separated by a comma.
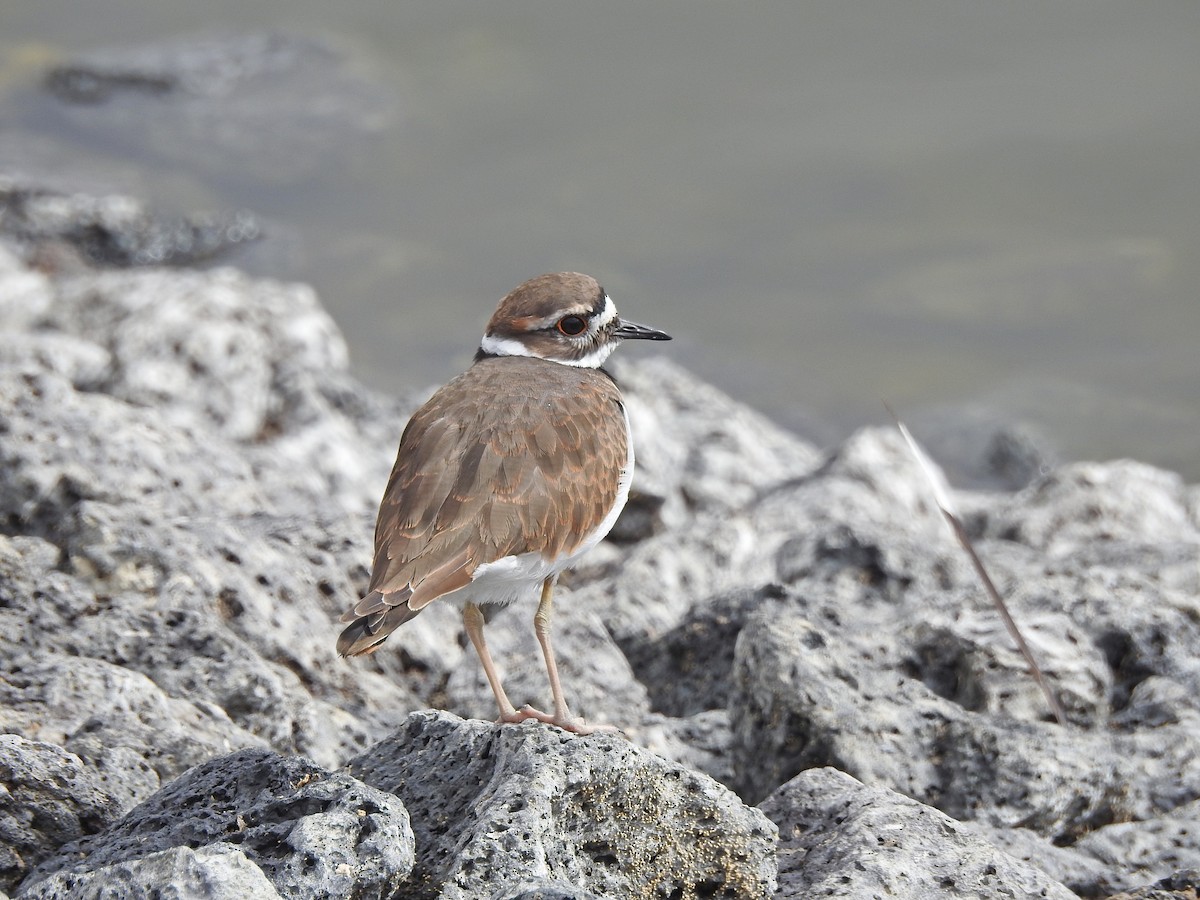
[(541, 299)]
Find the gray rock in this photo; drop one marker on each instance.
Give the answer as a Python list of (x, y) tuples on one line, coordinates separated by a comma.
[(1081, 503), (188, 479), (47, 797), (700, 742), (646, 589), (545, 890), (841, 838), (71, 230), (968, 656), (805, 698), (1147, 850), (689, 669), (871, 479), (211, 344), (61, 446), (494, 806), (215, 872), (151, 658), (76, 360), (1182, 885), (116, 720), (25, 294), (709, 452), (1078, 871), (161, 519), (204, 681), (312, 833), (704, 459)]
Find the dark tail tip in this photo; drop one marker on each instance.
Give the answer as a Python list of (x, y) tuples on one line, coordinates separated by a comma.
[(357, 639)]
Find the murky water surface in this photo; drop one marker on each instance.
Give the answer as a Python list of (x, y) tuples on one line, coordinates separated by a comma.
[(828, 203)]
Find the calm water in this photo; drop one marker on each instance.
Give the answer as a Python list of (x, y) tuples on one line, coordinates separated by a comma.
[(944, 204)]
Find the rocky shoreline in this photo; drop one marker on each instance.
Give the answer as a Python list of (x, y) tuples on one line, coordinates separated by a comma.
[(818, 700)]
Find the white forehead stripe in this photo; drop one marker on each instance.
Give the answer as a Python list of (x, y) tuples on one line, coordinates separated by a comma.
[(608, 313)]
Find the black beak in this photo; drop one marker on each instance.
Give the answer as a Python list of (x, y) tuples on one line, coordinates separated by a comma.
[(632, 331)]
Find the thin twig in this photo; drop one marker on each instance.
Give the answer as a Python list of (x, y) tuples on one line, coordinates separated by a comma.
[(960, 533)]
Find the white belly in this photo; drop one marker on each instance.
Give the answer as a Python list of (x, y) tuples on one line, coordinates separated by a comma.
[(513, 578)]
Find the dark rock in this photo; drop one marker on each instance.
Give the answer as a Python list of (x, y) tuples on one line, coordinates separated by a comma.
[(493, 806), (689, 669), (312, 833)]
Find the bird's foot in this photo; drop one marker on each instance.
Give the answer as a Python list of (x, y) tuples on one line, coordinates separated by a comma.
[(566, 722)]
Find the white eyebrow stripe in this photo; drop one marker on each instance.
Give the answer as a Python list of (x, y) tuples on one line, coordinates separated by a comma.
[(607, 313), (544, 322), (551, 321)]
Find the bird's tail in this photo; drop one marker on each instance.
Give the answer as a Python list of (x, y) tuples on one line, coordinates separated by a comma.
[(371, 621)]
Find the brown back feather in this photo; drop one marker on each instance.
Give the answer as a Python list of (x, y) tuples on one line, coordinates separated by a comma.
[(515, 455)]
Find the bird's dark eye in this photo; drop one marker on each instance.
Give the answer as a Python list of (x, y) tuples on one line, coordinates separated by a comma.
[(572, 325)]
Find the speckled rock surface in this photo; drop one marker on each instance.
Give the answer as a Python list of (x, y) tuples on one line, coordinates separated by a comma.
[(311, 833), (840, 838), (1181, 885), (49, 797), (188, 481), (216, 872), (494, 805)]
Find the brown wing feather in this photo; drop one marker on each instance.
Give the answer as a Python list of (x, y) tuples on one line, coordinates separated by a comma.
[(515, 455)]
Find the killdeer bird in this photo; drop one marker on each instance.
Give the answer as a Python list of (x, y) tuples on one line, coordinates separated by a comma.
[(507, 476)]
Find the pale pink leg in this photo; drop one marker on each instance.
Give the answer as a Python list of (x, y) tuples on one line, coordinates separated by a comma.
[(473, 621), (541, 627)]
